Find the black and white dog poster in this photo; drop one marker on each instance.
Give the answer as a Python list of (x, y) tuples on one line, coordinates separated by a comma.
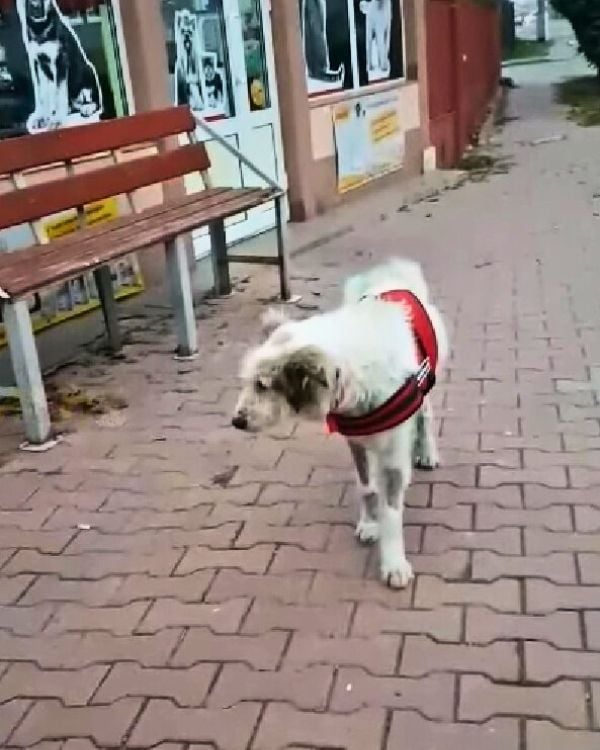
[(200, 77), (188, 63), (325, 29), (66, 87), (379, 40)]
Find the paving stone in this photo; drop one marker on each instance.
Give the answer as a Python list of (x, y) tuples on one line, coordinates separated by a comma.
[(11, 714), (73, 688), (306, 688), (559, 628), (254, 560), (260, 651), (332, 620), (168, 613), (422, 656), (284, 726), (75, 650), (105, 725), (228, 729), (562, 702), (377, 655), (442, 624), (409, 729), (544, 663), (543, 735), (543, 596), (558, 567), (433, 592), (432, 696), (230, 584), (93, 565), (187, 687)]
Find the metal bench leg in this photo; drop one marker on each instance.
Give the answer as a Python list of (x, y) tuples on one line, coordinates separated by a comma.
[(103, 279), (284, 271), (26, 366), (181, 297), (218, 247)]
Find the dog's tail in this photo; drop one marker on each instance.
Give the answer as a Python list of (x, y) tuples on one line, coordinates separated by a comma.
[(395, 273)]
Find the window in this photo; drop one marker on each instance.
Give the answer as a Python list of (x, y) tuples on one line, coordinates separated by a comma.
[(197, 51), (351, 43), (81, 83)]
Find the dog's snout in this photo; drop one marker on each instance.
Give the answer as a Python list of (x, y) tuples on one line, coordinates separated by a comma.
[(240, 421)]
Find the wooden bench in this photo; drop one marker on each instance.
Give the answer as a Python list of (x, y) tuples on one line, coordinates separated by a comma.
[(25, 271)]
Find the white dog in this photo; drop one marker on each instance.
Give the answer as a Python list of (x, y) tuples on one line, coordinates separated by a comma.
[(378, 15), (367, 368)]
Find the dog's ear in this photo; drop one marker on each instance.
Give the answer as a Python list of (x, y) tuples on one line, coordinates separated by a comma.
[(302, 378), (271, 320)]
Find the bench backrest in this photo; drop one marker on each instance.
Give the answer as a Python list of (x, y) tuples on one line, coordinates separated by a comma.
[(76, 190)]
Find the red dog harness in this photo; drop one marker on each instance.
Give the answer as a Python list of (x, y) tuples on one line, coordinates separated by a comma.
[(409, 398)]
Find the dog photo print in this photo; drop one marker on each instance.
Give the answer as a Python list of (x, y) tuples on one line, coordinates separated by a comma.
[(325, 28), (56, 69), (197, 55), (379, 36)]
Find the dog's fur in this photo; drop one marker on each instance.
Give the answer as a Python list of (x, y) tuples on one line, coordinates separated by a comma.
[(188, 65), (65, 82), (313, 18), (378, 14), (350, 361)]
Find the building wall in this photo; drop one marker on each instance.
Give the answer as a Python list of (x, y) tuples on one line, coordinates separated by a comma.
[(323, 141), (464, 63)]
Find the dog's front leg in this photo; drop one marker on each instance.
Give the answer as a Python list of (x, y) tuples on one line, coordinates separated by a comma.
[(394, 477), (367, 528), (426, 454)]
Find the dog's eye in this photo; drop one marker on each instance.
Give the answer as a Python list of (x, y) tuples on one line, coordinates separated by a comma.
[(260, 386)]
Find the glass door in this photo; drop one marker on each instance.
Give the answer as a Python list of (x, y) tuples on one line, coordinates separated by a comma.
[(221, 63)]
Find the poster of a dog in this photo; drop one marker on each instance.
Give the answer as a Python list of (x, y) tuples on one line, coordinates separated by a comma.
[(379, 40), (188, 63), (66, 86), (200, 79), (325, 29)]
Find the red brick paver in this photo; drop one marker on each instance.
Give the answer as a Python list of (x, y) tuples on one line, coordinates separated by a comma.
[(169, 583)]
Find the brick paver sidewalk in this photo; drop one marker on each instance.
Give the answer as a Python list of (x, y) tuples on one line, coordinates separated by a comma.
[(168, 582)]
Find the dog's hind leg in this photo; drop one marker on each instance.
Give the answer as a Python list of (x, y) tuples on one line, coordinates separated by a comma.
[(425, 454), (367, 528), (394, 477)]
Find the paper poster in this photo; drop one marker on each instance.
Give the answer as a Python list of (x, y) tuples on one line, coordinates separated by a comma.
[(325, 26), (66, 87), (369, 139), (200, 77)]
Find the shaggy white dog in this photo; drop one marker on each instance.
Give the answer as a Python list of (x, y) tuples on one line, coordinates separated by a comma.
[(351, 367)]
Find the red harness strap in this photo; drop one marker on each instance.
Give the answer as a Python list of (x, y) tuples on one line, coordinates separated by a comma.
[(408, 399)]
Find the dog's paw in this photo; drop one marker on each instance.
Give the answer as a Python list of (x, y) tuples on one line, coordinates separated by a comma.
[(398, 574), (367, 531), (425, 462)]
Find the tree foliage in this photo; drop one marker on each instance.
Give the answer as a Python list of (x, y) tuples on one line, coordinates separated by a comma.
[(584, 17)]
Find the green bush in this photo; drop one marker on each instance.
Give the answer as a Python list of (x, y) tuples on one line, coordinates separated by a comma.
[(584, 17)]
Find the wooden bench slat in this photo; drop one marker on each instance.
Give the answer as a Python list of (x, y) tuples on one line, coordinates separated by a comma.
[(37, 253), (35, 202), (64, 260), (26, 152)]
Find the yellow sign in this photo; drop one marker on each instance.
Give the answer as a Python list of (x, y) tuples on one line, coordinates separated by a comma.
[(99, 212), (369, 139)]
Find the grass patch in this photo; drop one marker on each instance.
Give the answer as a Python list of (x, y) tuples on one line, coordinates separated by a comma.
[(582, 96), (526, 49)]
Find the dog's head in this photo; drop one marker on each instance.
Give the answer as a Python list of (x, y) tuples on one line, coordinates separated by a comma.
[(282, 378), (37, 10)]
